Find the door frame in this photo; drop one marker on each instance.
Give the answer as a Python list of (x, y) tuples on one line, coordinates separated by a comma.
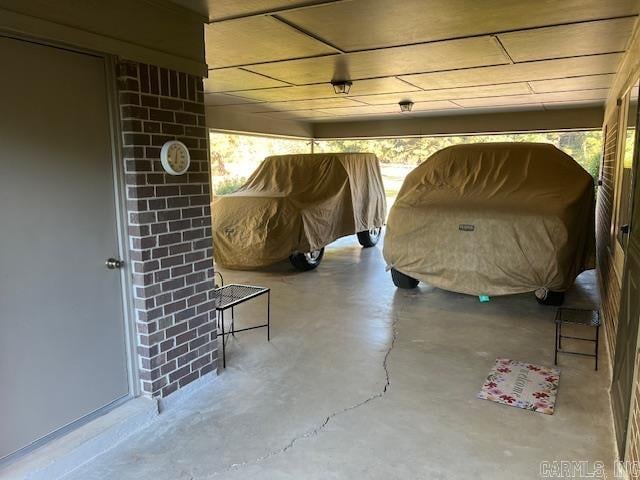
[(126, 281), (635, 183), (617, 252)]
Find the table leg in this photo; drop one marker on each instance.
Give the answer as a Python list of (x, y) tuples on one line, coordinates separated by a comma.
[(560, 337), (597, 342), (268, 316), (233, 323), (555, 346), (224, 359)]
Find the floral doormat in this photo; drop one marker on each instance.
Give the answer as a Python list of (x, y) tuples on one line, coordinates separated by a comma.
[(522, 385)]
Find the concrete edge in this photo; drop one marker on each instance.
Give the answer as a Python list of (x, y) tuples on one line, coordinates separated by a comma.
[(180, 396), (65, 454)]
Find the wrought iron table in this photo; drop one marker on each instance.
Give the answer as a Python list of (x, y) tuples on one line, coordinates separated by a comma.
[(229, 296), (575, 316)]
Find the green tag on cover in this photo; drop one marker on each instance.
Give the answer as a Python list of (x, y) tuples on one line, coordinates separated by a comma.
[(484, 298)]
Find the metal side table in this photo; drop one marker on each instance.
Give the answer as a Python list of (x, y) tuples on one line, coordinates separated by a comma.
[(575, 316), (232, 295)]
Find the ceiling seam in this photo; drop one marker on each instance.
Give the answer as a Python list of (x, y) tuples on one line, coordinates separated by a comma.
[(463, 68), (267, 76), (489, 34), (457, 104), (374, 49), (263, 13), (269, 62), (435, 100), (503, 83), (463, 37), (556, 94), (457, 88), (309, 34), (249, 65), (364, 103), (503, 48), (399, 77)]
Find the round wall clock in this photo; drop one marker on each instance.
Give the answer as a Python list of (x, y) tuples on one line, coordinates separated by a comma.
[(175, 157)]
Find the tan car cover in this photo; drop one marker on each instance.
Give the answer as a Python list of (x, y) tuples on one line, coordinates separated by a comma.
[(297, 203), (494, 219)]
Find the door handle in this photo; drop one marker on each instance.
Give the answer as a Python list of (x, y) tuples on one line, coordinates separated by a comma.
[(624, 229), (113, 263)]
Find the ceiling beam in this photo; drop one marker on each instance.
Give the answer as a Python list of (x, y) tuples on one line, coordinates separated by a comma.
[(464, 124)]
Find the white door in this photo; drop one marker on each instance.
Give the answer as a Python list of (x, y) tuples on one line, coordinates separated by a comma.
[(62, 336)]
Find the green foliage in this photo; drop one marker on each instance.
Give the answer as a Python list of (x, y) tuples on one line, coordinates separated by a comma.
[(239, 155), (584, 146), (234, 156), (228, 185)]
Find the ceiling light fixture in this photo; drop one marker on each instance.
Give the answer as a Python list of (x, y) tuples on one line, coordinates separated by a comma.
[(341, 87), (406, 105)]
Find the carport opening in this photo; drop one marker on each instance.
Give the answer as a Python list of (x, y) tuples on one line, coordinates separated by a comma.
[(234, 156)]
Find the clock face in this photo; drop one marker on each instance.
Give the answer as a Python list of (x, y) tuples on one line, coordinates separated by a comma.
[(175, 157)]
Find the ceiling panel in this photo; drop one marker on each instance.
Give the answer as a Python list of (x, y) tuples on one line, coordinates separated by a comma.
[(297, 114), (232, 8), (576, 103), (221, 9), (558, 97), (576, 83), (505, 108), (378, 109), (519, 72), (230, 79), (568, 40), (363, 24), (444, 55), (324, 90), (570, 97), (448, 94), (257, 39), (463, 53), (222, 99), (305, 104)]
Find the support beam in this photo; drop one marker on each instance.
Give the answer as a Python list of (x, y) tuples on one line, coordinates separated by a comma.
[(461, 124)]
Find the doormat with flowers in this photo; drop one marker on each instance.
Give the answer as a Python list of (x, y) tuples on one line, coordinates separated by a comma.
[(522, 385)]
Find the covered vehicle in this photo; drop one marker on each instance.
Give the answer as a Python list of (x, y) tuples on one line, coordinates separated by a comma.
[(292, 206), (494, 219)]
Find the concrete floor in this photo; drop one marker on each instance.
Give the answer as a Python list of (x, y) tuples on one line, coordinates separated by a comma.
[(361, 380)]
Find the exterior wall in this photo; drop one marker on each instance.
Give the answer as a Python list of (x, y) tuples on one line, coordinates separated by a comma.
[(609, 284), (169, 225), (134, 29)]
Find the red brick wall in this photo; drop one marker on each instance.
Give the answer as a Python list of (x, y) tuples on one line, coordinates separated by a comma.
[(610, 289), (169, 226)]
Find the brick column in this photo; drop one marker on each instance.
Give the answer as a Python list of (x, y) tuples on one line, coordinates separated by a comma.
[(169, 225)]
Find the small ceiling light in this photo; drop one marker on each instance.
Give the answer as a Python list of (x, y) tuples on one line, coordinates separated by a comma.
[(406, 105), (341, 87)]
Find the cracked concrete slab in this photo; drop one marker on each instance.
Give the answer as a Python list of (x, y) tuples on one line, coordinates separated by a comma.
[(363, 381)]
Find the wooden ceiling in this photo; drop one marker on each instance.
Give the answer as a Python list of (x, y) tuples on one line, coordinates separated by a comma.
[(278, 57)]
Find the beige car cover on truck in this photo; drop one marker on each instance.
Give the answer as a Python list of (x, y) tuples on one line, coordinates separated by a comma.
[(494, 219), (297, 203)]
